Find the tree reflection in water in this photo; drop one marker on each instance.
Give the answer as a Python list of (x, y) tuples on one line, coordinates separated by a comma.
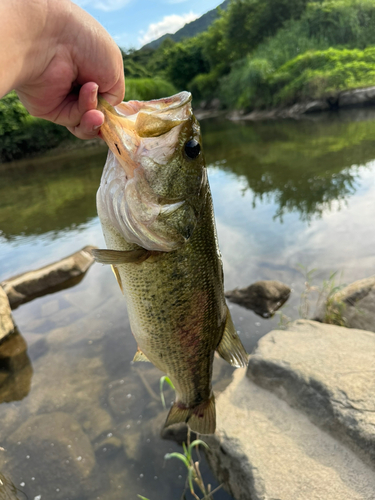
[(305, 166)]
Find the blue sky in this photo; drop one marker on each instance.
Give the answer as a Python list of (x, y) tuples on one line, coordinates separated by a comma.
[(132, 23)]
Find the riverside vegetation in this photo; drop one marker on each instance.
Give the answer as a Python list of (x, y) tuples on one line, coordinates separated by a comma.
[(264, 53), (257, 54)]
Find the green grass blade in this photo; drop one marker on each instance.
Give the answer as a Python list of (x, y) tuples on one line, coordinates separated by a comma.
[(180, 456), (169, 382), (197, 442)]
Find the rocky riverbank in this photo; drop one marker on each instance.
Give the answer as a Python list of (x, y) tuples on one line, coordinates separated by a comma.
[(356, 98), (298, 424)]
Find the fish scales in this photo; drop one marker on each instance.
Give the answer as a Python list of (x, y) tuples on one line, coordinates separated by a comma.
[(175, 296)]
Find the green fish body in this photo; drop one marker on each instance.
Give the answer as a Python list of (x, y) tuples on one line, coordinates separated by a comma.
[(155, 207)]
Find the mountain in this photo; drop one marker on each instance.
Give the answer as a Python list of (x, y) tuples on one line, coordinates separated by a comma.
[(190, 29)]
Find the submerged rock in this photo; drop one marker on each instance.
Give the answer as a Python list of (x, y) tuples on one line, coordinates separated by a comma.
[(6, 319), (15, 369), (264, 449), (53, 457), (327, 372), (61, 274), (263, 297), (353, 306)]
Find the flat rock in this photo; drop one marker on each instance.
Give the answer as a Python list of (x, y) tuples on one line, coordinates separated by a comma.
[(263, 449), (263, 297), (6, 319), (357, 97), (63, 273), (52, 449), (353, 306), (327, 371)]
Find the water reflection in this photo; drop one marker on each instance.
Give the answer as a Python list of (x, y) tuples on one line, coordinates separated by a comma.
[(15, 369), (305, 166), (38, 196)]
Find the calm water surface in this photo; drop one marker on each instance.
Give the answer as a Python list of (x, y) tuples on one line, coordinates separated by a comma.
[(80, 421)]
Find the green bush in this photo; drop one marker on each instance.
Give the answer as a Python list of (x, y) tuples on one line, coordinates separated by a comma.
[(320, 73), (21, 134), (145, 89), (289, 42), (13, 115), (300, 64), (246, 85), (249, 22), (185, 60), (349, 23), (204, 86)]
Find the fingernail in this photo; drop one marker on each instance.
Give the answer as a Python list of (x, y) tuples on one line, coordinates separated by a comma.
[(97, 127), (94, 93)]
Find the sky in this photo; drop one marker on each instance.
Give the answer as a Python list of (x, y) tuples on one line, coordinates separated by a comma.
[(133, 23)]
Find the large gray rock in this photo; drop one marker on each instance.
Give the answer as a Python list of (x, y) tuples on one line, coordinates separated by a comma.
[(27, 286), (54, 451), (6, 319), (326, 371), (264, 449), (353, 306), (263, 297), (357, 97)]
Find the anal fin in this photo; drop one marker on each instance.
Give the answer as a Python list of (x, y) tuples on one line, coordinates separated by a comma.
[(140, 356), (230, 347), (118, 277), (200, 419), (114, 257)]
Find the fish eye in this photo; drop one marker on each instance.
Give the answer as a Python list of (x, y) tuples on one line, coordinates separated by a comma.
[(192, 149)]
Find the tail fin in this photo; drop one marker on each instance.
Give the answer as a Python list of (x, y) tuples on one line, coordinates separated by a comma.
[(201, 419)]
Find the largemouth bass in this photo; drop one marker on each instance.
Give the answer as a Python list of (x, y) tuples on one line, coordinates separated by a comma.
[(155, 207)]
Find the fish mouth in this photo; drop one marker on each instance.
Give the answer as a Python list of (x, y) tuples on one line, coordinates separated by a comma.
[(128, 123)]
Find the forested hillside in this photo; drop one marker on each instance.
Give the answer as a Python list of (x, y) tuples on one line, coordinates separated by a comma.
[(190, 29), (264, 53)]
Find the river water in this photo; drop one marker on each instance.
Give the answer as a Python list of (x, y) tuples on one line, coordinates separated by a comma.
[(80, 421)]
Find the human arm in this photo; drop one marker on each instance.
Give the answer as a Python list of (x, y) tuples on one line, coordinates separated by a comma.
[(50, 48)]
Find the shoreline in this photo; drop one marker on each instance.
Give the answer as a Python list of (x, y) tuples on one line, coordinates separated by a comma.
[(348, 99), (356, 99)]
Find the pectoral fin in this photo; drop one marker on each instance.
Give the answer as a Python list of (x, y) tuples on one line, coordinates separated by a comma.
[(230, 347), (114, 257), (139, 356)]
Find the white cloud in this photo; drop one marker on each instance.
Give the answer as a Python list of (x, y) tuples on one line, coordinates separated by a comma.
[(106, 5), (169, 24)]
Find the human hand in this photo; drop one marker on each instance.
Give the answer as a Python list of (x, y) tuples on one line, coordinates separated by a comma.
[(70, 58)]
